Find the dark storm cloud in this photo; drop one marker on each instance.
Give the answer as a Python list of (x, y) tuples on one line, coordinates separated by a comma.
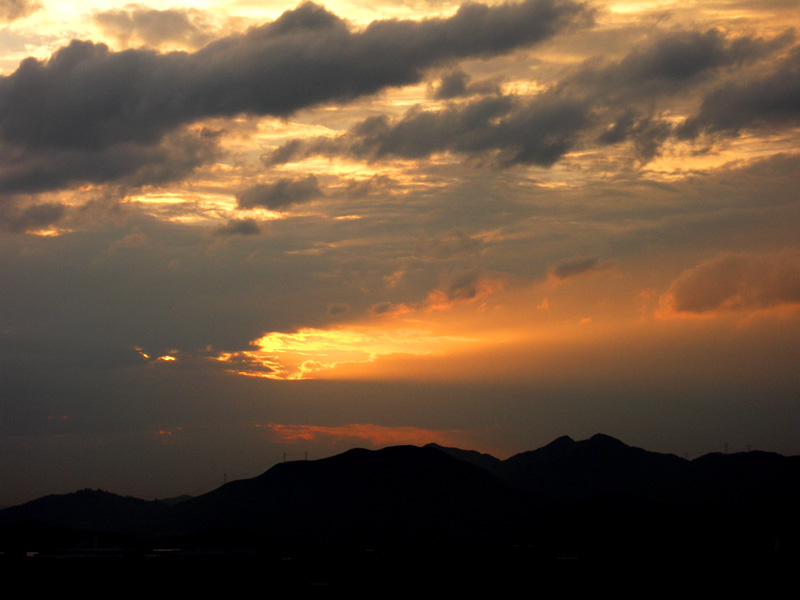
[(537, 132), (11, 10), (36, 216), (760, 100), (152, 27), (281, 194), (570, 267), (87, 98), (239, 227), (738, 281)]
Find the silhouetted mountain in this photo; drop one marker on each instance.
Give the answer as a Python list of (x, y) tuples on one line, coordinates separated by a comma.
[(570, 471), (566, 497), (93, 510), (484, 461), (399, 492), (175, 500)]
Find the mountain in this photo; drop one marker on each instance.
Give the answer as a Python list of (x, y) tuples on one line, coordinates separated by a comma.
[(566, 497), (570, 471), (401, 492)]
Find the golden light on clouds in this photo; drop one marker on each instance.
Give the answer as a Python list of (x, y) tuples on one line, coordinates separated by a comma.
[(311, 353)]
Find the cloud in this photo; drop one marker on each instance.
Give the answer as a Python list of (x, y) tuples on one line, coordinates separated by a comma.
[(447, 246), (463, 286), (508, 129), (32, 217), (11, 10), (758, 100), (87, 98), (456, 84), (671, 63), (632, 93), (571, 267), (239, 227), (280, 194), (647, 134), (737, 282), (138, 23), (128, 163)]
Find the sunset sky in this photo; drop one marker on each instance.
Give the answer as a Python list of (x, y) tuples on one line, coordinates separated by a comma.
[(247, 228)]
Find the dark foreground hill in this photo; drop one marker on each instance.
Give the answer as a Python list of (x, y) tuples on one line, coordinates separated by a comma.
[(398, 493), (566, 499)]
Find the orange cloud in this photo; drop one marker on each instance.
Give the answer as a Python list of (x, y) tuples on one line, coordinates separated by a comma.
[(735, 282), (463, 286)]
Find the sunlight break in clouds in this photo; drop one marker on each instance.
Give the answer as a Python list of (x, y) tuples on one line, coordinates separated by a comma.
[(315, 352)]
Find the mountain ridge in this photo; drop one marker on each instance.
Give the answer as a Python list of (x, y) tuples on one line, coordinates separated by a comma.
[(570, 490)]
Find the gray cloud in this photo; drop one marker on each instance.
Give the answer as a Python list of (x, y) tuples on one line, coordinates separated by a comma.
[(89, 99), (138, 23), (540, 130), (759, 100), (280, 194), (18, 220), (127, 163), (537, 132), (648, 134), (671, 63), (570, 267), (11, 10), (447, 246), (738, 281), (457, 84), (338, 309), (631, 92), (239, 227)]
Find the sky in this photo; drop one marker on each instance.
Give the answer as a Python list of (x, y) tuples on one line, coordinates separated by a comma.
[(243, 231)]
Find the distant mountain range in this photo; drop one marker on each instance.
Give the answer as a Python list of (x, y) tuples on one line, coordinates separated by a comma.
[(565, 498)]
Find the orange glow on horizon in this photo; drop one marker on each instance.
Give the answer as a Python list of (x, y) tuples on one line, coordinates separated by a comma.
[(372, 435)]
